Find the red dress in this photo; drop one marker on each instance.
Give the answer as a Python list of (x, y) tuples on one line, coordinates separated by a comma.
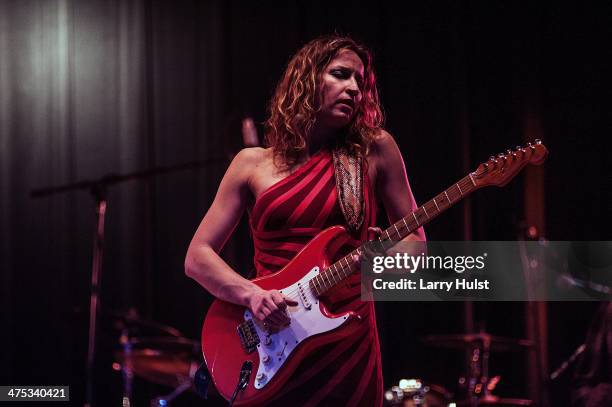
[(283, 220)]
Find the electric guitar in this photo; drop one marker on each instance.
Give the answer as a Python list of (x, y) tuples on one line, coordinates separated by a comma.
[(251, 364)]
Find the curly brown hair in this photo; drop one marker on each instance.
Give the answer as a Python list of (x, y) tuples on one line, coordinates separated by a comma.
[(293, 106)]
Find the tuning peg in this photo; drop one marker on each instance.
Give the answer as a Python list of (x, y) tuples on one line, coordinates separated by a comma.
[(517, 148), (531, 146), (501, 155), (538, 141)]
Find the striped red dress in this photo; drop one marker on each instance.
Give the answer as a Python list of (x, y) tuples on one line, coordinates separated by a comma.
[(283, 220)]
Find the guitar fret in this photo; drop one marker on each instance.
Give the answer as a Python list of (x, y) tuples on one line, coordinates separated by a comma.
[(380, 244), (341, 267), (312, 286), (415, 219), (472, 179), (407, 227), (397, 231), (460, 191), (347, 260), (388, 236), (320, 276), (435, 203), (316, 285), (426, 214), (332, 274), (447, 198)]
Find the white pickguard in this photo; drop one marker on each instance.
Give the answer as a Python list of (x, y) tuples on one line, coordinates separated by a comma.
[(305, 322)]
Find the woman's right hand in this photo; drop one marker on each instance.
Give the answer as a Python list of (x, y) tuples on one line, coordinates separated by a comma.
[(270, 308)]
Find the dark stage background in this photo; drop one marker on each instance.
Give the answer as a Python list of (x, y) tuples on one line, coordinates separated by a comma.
[(89, 88)]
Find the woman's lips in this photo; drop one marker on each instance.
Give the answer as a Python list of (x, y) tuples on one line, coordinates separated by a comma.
[(345, 104)]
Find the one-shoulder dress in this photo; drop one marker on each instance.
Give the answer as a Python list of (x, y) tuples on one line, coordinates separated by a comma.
[(283, 219)]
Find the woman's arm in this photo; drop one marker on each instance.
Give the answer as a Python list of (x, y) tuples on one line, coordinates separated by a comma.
[(203, 263), (392, 184)]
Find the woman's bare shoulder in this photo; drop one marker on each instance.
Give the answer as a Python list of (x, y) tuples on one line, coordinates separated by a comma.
[(383, 141), (253, 167), (382, 145), (251, 155), (250, 159)]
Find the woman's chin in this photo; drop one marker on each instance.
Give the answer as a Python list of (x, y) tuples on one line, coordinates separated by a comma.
[(337, 120), (341, 119)]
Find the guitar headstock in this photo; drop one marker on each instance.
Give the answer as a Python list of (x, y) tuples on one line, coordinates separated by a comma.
[(501, 169)]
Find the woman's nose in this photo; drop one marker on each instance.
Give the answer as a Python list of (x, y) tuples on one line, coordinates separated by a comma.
[(352, 89)]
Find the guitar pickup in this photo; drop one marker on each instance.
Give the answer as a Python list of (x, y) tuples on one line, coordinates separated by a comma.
[(249, 339), (305, 302)]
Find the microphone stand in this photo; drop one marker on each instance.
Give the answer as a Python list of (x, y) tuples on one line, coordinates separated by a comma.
[(98, 188)]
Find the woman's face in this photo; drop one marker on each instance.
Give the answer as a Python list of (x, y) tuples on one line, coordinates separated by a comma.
[(340, 89)]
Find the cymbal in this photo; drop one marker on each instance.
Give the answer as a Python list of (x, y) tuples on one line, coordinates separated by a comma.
[(163, 360), (468, 341), (142, 326)]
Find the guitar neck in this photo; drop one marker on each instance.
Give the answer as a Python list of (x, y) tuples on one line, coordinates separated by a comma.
[(344, 267)]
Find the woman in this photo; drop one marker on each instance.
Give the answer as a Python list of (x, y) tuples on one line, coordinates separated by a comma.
[(324, 114)]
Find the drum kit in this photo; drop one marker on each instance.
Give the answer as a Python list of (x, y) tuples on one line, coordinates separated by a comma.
[(156, 353), (475, 389)]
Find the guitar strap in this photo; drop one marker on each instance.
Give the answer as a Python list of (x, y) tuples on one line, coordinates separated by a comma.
[(349, 184)]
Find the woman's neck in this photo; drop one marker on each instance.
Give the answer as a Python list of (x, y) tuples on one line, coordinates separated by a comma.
[(319, 137)]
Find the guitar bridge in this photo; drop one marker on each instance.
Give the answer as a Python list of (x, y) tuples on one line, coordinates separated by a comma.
[(248, 336)]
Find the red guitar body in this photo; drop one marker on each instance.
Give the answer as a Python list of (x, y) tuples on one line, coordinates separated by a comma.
[(224, 353)]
